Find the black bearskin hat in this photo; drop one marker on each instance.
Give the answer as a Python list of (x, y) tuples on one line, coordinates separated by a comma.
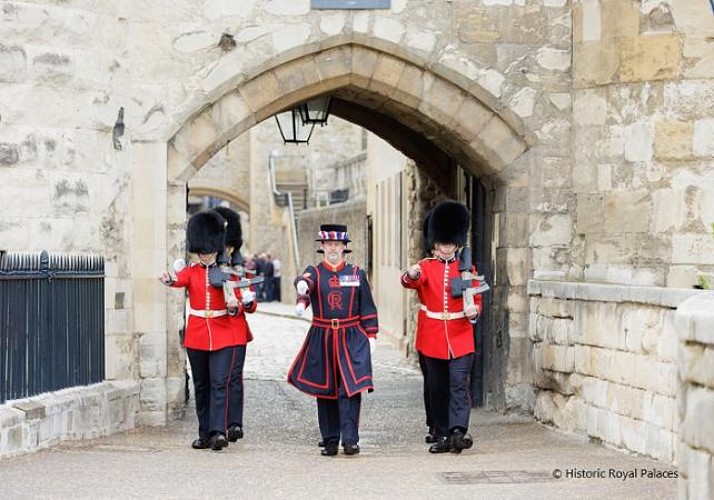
[(206, 232), (234, 231), (333, 232), (428, 245), (448, 222)]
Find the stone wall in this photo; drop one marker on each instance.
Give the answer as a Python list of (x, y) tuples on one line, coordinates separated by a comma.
[(28, 425), (643, 142), (695, 406), (606, 362)]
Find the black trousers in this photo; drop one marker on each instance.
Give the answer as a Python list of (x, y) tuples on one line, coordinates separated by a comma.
[(448, 382), (235, 388), (339, 418), (427, 399), (211, 371)]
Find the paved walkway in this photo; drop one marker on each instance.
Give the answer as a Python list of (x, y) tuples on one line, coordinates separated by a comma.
[(513, 457)]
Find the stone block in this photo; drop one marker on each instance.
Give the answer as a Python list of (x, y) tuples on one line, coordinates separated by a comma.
[(652, 57), (387, 28), (703, 140), (625, 212), (470, 119), (659, 443), (594, 391), (153, 395), (633, 434), (152, 355), (32, 409), (442, 101), (13, 63), (595, 63), (694, 319), (673, 140), (701, 475), (697, 430), (627, 401), (386, 75), (551, 229), (583, 360)]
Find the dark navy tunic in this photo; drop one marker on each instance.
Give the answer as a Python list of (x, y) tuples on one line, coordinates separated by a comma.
[(336, 349)]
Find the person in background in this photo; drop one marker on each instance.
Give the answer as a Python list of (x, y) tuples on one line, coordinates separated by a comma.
[(276, 278), (269, 273)]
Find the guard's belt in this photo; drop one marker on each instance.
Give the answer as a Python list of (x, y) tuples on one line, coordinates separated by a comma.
[(336, 323), (442, 315), (208, 313)]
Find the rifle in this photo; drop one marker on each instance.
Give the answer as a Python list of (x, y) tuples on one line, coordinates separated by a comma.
[(462, 286), (221, 278)]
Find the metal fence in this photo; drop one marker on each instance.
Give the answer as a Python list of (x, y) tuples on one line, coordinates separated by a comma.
[(51, 322)]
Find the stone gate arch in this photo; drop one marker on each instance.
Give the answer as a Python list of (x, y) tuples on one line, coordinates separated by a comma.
[(433, 109)]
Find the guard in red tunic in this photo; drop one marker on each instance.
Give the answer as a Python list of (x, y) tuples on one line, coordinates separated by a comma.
[(245, 299), (445, 336), (211, 338), (334, 363)]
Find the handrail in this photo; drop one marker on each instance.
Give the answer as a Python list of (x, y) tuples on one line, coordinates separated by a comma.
[(291, 209)]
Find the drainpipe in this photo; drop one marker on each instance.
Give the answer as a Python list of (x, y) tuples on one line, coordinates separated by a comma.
[(291, 207)]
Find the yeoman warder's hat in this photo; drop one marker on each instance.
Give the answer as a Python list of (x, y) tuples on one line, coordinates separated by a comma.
[(206, 232), (333, 232), (448, 222)]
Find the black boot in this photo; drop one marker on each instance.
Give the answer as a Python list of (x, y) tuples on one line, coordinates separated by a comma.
[(201, 443), (351, 449), (218, 442), (330, 450), (441, 446), (235, 432), (460, 440), (430, 437)]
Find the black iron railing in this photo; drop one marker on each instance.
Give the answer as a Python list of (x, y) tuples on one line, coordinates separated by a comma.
[(51, 322)]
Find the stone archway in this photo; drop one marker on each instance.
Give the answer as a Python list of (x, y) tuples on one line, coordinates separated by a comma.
[(443, 108)]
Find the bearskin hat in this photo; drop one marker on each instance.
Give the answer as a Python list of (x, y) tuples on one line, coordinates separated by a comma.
[(428, 246), (448, 222), (333, 232), (234, 231), (206, 232)]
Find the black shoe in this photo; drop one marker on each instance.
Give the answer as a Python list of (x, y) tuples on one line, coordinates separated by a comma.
[(329, 450), (351, 449), (218, 442), (201, 443), (321, 443), (430, 438), (441, 446), (460, 440), (235, 432)]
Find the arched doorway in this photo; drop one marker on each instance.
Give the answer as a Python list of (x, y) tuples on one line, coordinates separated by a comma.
[(438, 117)]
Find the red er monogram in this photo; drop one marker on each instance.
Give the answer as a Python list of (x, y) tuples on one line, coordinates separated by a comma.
[(334, 300)]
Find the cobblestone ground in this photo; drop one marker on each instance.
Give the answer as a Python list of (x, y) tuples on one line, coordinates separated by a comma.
[(279, 458)]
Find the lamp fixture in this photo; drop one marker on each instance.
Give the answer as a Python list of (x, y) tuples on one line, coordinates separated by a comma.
[(292, 129), (315, 110)]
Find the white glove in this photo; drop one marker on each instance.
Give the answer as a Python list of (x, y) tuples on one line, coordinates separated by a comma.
[(372, 344), (248, 297), (302, 288), (300, 308), (179, 265)]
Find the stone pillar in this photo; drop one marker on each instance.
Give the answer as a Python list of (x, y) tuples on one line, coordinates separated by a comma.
[(149, 209), (695, 362)]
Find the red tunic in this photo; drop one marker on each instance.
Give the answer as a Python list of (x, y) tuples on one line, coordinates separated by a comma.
[(209, 333), (439, 338)]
